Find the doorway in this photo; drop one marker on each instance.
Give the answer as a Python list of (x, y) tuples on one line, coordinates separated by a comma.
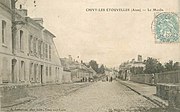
[(41, 74), (14, 61)]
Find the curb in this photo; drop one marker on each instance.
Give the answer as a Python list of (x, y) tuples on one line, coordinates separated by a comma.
[(32, 98), (160, 104), (20, 101)]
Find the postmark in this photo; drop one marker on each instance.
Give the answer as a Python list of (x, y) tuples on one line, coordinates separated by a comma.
[(166, 27)]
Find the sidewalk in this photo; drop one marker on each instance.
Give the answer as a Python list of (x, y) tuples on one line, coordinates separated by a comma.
[(23, 95), (147, 91)]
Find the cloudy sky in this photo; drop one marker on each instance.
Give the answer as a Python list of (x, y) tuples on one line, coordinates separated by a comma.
[(108, 37)]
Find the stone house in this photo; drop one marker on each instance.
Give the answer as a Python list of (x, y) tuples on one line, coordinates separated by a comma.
[(126, 67), (27, 50)]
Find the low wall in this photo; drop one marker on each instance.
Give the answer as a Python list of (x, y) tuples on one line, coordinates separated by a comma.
[(170, 92), (66, 78), (12, 93), (165, 77), (168, 77), (167, 85), (142, 78)]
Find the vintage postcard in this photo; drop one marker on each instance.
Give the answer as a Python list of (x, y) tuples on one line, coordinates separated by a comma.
[(89, 55)]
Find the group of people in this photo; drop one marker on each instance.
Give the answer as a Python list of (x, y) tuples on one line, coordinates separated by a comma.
[(110, 79)]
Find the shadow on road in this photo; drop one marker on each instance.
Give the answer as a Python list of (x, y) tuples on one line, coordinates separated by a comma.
[(161, 110)]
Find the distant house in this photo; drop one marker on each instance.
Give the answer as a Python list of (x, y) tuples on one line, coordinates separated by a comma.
[(81, 75), (109, 72), (79, 72), (126, 68)]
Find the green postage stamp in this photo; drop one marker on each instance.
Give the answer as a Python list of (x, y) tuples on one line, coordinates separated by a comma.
[(166, 27)]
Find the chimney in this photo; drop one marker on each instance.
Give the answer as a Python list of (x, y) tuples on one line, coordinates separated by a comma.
[(38, 20), (70, 57), (139, 58), (22, 12), (20, 6)]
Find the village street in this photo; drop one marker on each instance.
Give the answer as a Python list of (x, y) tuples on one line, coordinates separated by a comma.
[(97, 97)]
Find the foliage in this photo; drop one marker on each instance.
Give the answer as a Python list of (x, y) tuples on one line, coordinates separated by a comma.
[(152, 65), (101, 70), (94, 65), (136, 70), (170, 66)]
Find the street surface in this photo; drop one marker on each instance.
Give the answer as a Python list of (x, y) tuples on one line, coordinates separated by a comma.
[(97, 97)]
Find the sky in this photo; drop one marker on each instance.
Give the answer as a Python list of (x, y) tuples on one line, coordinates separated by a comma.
[(110, 38)]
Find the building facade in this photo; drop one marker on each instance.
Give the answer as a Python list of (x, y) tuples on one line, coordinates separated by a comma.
[(131, 68), (27, 53)]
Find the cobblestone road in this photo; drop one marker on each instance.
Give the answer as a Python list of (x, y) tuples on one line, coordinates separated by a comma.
[(98, 97)]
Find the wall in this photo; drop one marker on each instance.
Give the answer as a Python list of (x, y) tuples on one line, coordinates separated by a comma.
[(66, 77), (6, 46), (170, 92), (142, 78), (168, 77)]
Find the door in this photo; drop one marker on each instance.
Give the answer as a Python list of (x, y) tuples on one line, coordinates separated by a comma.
[(14, 61), (41, 74)]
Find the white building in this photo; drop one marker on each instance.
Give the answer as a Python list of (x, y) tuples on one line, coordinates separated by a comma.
[(27, 50)]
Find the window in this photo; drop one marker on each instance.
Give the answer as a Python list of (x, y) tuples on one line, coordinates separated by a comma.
[(46, 51), (30, 44), (31, 72), (22, 71), (21, 40), (39, 48), (49, 71), (3, 31), (46, 71), (41, 45), (34, 45), (35, 72), (49, 52)]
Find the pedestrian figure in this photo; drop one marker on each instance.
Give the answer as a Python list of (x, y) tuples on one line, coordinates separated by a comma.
[(152, 79), (106, 78), (110, 79)]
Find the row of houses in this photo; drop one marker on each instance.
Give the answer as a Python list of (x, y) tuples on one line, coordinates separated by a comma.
[(27, 50), (76, 71)]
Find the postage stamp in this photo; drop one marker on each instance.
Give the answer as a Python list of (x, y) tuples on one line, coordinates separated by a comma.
[(166, 27)]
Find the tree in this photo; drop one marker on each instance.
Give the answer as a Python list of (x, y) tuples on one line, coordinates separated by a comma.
[(159, 68), (153, 66), (101, 69), (136, 70), (176, 66), (94, 65), (170, 66)]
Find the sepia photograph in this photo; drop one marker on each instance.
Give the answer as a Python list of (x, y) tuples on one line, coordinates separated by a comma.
[(89, 56)]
